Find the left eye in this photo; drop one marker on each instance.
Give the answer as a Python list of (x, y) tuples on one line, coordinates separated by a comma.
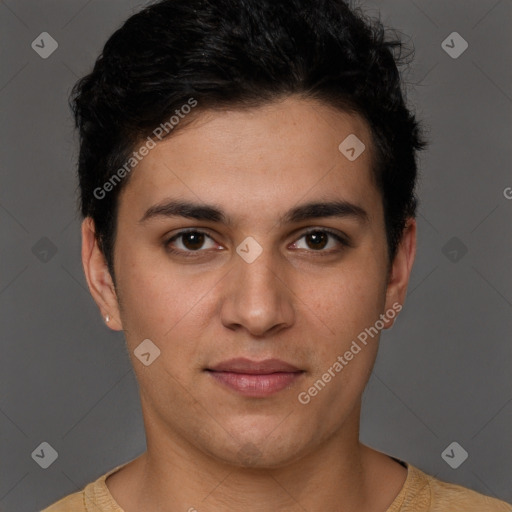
[(318, 239)]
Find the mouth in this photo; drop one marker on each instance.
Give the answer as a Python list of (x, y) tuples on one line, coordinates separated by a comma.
[(255, 378)]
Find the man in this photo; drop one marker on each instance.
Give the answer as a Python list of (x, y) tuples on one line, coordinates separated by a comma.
[(247, 173)]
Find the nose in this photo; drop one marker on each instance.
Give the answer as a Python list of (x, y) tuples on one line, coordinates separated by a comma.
[(258, 297)]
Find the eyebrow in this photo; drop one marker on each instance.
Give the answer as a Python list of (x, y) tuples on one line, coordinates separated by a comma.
[(212, 213)]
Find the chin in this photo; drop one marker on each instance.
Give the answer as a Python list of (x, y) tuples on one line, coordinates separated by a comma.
[(258, 452)]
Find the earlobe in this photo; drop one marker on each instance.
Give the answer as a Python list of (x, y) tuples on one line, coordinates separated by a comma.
[(401, 269), (98, 276)]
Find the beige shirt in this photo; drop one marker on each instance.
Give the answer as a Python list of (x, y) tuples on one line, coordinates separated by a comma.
[(420, 493)]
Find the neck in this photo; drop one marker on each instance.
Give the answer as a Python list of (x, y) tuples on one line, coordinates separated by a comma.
[(173, 475)]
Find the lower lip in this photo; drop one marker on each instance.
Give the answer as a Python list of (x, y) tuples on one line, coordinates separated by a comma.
[(256, 385)]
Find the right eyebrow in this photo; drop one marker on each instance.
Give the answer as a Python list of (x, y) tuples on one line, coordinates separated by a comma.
[(187, 209)]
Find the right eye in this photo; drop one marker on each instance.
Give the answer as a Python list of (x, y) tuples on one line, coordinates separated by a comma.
[(190, 241)]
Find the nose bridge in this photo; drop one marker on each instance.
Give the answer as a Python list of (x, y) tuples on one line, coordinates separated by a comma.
[(260, 274), (258, 298)]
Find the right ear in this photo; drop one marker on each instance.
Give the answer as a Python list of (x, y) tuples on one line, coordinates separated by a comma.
[(98, 276)]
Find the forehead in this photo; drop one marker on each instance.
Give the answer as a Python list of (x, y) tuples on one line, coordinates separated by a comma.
[(259, 159)]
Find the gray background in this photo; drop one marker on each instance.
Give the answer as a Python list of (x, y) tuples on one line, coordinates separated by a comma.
[(444, 371)]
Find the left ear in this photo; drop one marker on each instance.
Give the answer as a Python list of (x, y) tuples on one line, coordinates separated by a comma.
[(401, 269)]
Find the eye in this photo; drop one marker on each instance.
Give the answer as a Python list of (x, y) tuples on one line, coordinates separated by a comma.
[(318, 239), (191, 241)]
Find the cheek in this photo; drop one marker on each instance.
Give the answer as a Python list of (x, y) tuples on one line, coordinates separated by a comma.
[(162, 304), (343, 362), (353, 297), (349, 303), (167, 312)]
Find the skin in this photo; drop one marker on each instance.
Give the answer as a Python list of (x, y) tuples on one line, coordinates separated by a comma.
[(208, 447)]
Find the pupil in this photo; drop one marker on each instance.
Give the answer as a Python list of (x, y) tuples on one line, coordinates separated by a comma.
[(318, 238), (193, 240)]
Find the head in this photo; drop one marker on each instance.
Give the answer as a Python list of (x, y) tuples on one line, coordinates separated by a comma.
[(242, 107)]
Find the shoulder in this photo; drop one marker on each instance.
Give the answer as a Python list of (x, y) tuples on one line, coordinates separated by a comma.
[(72, 503), (455, 498), (447, 497), (94, 497)]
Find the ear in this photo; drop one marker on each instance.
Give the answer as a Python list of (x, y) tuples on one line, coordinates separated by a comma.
[(401, 270), (98, 276)]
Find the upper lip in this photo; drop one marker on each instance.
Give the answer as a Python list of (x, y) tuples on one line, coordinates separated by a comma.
[(248, 366)]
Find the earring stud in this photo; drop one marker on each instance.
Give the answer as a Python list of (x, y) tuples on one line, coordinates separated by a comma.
[(107, 319)]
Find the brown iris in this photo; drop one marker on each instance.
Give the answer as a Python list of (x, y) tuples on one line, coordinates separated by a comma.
[(193, 240), (319, 239)]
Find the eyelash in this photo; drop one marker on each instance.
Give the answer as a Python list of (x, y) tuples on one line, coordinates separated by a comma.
[(344, 242)]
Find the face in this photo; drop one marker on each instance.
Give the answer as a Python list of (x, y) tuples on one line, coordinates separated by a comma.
[(246, 271)]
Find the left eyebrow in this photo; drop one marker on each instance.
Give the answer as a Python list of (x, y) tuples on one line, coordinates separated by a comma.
[(317, 210), (205, 212)]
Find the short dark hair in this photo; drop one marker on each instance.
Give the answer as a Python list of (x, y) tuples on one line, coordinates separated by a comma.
[(239, 54)]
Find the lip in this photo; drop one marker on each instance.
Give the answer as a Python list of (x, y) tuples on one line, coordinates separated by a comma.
[(255, 378), (248, 366)]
